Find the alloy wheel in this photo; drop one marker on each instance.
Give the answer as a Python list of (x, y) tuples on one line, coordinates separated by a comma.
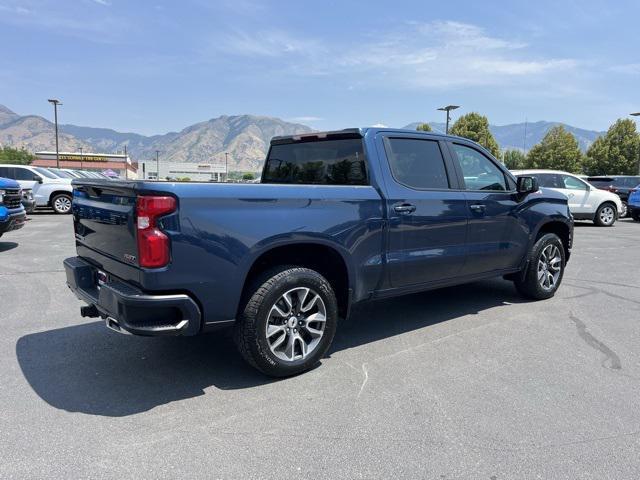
[(295, 324), (62, 204), (607, 215), (549, 267)]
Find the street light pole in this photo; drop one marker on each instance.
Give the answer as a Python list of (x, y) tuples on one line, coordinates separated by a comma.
[(448, 109), (55, 104), (81, 158), (226, 166), (637, 114), (157, 165)]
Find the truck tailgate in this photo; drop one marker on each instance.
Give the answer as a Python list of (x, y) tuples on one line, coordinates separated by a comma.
[(104, 218)]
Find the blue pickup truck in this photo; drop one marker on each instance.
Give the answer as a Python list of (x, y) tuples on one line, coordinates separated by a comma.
[(339, 218), (12, 213)]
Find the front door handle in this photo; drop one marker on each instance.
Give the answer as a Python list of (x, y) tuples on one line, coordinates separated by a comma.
[(404, 208), (477, 208)]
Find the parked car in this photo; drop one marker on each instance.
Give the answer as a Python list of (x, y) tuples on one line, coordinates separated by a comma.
[(621, 185), (49, 190), (12, 215), (585, 201), (339, 218), (634, 204), (28, 202)]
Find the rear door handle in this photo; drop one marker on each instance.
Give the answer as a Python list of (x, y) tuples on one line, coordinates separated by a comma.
[(477, 208), (404, 208)]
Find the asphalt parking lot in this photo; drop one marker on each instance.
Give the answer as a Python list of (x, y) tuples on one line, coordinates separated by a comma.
[(466, 382)]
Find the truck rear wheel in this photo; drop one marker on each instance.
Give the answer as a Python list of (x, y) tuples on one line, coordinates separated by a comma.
[(288, 321), (544, 270)]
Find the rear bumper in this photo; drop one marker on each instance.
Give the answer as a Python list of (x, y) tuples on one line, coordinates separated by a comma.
[(11, 221), (128, 309)]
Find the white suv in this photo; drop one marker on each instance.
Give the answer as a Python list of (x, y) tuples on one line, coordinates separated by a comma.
[(586, 202), (48, 189)]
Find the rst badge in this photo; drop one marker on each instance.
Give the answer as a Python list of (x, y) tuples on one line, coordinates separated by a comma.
[(129, 258)]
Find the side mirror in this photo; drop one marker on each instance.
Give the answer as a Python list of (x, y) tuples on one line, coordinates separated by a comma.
[(527, 185), (37, 178)]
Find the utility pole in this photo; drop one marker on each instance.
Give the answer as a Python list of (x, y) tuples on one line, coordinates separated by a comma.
[(157, 165), (637, 114), (524, 139), (55, 104), (126, 164), (81, 158), (448, 109), (226, 166)]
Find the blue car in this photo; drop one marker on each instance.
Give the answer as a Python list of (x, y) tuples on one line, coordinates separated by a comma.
[(12, 214), (634, 203)]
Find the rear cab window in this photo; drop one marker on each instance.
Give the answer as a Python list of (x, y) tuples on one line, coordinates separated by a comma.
[(317, 162)]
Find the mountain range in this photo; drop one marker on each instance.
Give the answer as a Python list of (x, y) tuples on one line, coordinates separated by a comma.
[(244, 137)]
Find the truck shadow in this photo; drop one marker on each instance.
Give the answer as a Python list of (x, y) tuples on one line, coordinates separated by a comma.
[(87, 368), (6, 246)]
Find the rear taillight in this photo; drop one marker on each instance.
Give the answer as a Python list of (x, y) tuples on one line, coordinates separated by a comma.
[(153, 244)]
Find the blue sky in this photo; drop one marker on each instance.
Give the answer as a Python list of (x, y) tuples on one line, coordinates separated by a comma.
[(158, 66)]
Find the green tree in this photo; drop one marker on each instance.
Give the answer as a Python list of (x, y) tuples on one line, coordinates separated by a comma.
[(476, 127), (558, 150), (423, 127), (514, 159), (15, 156), (248, 176), (615, 153)]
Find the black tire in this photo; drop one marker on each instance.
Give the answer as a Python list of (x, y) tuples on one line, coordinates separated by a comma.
[(61, 203), (601, 219), (529, 284), (625, 210), (636, 216), (260, 299)]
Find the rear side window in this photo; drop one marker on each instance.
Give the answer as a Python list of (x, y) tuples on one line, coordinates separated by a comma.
[(6, 172), (631, 182), (417, 163), (23, 174), (572, 183), (479, 172), (326, 162)]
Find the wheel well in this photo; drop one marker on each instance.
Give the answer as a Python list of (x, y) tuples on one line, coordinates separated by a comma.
[(561, 230), (610, 202), (321, 258), (58, 192)]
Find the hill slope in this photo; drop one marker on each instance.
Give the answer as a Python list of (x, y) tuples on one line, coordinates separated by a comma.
[(513, 136), (244, 137)]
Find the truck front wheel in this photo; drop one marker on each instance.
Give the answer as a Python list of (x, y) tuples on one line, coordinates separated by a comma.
[(544, 270), (288, 321)]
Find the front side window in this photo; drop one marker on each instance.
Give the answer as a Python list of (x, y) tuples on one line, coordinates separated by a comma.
[(479, 172), (572, 183), (324, 162), (549, 180), (417, 163)]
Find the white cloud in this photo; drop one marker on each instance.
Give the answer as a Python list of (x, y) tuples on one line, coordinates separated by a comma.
[(628, 69), (305, 119), (266, 43), (103, 2), (437, 55)]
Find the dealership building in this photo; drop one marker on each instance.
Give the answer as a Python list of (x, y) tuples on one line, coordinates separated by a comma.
[(199, 172), (98, 162)]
